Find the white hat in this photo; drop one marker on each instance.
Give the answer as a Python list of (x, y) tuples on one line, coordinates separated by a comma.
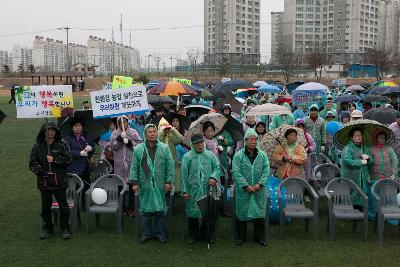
[(356, 114)]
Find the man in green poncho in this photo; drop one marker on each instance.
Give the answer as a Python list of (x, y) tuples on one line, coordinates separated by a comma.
[(152, 173), (279, 120), (250, 169), (327, 108), (199, 171), (356, 160), (315, 126)]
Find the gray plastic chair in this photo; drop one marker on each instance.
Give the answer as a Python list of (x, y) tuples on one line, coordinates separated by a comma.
[(340, 206), (102, 167), (233, 211), (113, 205), (169, 212), (75, 186), (322, 174), (315, 159), (385, 193), (294, 207)]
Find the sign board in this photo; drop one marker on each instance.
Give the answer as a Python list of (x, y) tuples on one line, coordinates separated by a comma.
[(308, 97), (121, 82), (339, 82), (44, 101), (188, 82), (112, 103)]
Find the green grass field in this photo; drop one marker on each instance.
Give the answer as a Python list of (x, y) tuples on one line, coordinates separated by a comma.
[(20, 227)]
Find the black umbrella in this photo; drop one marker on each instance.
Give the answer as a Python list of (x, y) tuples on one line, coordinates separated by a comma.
[(234, 128), (376, 98), (94, 127), (347, 98), (379, 90), (393, 91), (382, 115), (231, 100), (208, 206), (2, 116)]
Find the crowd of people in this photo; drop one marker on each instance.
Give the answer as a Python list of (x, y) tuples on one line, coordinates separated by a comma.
[(149, 153)]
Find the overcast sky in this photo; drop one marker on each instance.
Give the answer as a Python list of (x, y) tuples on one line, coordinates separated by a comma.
[(34, 17)]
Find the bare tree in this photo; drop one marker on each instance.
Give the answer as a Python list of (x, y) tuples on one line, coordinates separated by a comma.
[(21, 69), (317, 57), (286, 59), (6, 70), (380, 59), (32, 68), (194, 57)]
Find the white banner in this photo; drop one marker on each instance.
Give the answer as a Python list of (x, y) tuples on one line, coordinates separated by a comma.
[(44, 101), (124, 101)]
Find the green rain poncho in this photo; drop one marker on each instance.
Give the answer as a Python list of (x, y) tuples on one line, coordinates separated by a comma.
[(317, 129), (151, 188), (250, 205), (351, 168), (279, 120), (196, 170)]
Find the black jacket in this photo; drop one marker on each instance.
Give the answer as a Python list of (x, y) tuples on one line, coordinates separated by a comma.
[(39, 165)]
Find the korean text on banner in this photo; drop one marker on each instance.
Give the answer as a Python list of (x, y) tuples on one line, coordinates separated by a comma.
[(307, 97), (121, 82), (44, 101), (188, 82), (124, 101), (107, 85)]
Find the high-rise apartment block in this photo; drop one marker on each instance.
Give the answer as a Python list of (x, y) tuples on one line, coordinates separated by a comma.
[(231, 32)]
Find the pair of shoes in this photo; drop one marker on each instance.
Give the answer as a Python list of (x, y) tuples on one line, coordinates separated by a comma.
[(239, 242), (307, 199), (263, 243), (163, 240), (131, 213), (192, 240), (144, 239), (66, 234), (45, 234)]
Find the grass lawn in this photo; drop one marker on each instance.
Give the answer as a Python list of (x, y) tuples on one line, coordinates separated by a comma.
[(20, 227)]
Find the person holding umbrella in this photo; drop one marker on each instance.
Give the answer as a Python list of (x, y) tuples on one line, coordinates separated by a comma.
[(355, 161), (49, 160), (290, 157), (395, 127), (123, 140), (81, 151), (315, 126), (199, 171), (152, 173), (250, 168), (385, 165)]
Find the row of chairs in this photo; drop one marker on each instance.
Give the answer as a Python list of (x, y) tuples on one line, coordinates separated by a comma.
[(338, 192)]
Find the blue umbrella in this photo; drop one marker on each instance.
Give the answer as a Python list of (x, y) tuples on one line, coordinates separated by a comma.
[(379, 90), (269, 89)]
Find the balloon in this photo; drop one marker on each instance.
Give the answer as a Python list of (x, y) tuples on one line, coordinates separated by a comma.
[(99, 196), (332, 127), (398, 199)]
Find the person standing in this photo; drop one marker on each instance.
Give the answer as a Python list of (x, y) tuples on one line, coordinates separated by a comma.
[(290, 156), (12, 94), (395, 127), (315, 126), (152, 174), (81, 151), (250, 169), (355, 162), (385, 166), (199, 171), (49, 160), (122, 141)]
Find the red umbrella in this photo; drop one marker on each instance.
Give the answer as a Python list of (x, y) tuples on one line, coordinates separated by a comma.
[(172, 89), (284, 99)]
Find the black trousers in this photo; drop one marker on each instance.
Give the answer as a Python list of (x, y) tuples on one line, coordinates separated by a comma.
[(259, 230), (198, 231), (47, 200), (12, 99)]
